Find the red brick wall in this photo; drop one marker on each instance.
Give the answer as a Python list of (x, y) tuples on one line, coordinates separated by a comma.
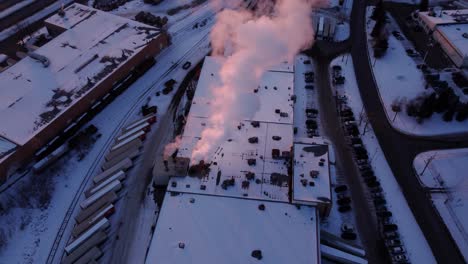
[(24, 153)]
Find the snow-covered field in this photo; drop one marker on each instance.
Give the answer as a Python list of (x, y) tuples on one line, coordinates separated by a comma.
[(398, 78), (446, 169), (410, 233), (29, 240)]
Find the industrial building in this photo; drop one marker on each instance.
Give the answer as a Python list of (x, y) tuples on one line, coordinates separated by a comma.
[(51, 89), (257, 183), (449, 28)]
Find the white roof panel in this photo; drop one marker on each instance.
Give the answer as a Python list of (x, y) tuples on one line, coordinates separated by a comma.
[(227, 230)]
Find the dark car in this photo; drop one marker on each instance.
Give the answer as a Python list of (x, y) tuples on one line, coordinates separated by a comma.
[(390, 227), (341, 188), (344, 208), (186, 65)]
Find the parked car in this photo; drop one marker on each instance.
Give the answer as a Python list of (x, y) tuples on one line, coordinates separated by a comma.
[(309, 87), (397, 35), (384, 214), (341, 188), (379, 201), (344, 201), (186, 65), (373, 184), (349, 235), (376, 189), (411, 53), (390, 227), (400, 258), (391, 235), (393, 243), (344, 208), (397, 250)]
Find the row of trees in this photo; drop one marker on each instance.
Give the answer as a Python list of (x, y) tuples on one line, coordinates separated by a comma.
[(425, 105), (379, 33)]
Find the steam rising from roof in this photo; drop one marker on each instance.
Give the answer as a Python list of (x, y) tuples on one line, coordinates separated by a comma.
[(252, 43)]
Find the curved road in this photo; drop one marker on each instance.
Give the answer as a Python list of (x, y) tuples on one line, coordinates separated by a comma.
[(401, 149)]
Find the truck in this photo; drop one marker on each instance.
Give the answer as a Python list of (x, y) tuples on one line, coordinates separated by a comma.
[(137, 137), (117, 152), (95, 208), (85, 225), (111, 187), (120, 175), (149, 118), (94, 240), (91, 255), (49, 159), (130, 154), (145, 127), (99, 226), (123, 165)]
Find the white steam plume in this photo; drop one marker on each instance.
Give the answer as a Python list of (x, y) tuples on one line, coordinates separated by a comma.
[(252, 44), (170, 148)]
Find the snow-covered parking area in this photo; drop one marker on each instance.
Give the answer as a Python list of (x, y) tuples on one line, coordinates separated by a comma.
[(444, 171), (418, 250), (398, 78)]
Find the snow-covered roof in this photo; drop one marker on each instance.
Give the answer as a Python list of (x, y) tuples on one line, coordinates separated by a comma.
[(202, 229), (6, 147), (444, 17), (311, 173), (230, 158), (95, 44), (454, 33), (274, 92)]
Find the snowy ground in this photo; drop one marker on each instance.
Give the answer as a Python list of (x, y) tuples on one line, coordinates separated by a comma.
[(410, 233), (445, 170), (398, 78), (31, 241)]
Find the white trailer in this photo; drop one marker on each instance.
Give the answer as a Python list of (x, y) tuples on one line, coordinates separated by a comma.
[(123, 165), (129, 140), (94, 240), (85, 225), (340, 256), (130, 154), (91, 255), (149, 118), (96, 207), (49, 159), (113, 186), (101, 225), (120, 175), (112, 154), (145, 127)]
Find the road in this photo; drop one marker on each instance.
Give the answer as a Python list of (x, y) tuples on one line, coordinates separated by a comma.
[(400, 149)]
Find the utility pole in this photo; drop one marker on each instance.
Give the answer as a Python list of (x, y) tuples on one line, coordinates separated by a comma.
[(365, 127), (427, 164), (394, 117)]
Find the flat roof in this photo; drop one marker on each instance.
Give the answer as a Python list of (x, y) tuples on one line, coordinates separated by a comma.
[(454, 33), (273, 92), (229, 160), (446, 17), (227, 230), (95, 44), (311, 173)]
